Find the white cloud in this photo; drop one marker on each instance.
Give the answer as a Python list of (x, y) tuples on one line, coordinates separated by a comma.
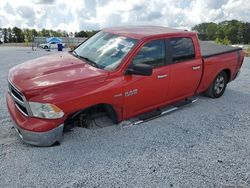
[(76, 15)]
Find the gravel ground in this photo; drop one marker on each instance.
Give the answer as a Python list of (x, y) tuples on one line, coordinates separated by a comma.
[(204, 145)]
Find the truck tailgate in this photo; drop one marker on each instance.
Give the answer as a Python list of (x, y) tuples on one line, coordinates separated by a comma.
[(209, 49)]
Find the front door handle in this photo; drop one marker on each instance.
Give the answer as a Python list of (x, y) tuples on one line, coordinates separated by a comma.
[(196, 67), (162, 76)]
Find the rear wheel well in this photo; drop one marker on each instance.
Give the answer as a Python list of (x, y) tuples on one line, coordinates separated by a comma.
[(74, 119), (228, 73)]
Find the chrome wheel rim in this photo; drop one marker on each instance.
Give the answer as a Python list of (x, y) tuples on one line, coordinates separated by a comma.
[(219, 84)]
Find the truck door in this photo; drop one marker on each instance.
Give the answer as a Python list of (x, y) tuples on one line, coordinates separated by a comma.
[(144, 92), (186, 68)]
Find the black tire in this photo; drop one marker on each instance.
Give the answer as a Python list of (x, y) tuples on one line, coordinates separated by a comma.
[(46, 47), (218, 87)]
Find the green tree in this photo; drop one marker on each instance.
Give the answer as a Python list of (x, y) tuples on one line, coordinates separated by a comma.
[(206, 31), (202, 30), (10, 38), (245, 33), (211, 31), (91, 33), (81, 34), (65, 34), (231, 30), (226, 41), (27, 35), (18, 34), (5, 35), (225, 32), (1, 33), (45, 33)]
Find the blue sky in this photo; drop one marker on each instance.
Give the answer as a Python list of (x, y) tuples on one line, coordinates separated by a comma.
[(75, 15)]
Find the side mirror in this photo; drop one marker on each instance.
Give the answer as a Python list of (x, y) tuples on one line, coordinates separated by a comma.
[(140, 69)]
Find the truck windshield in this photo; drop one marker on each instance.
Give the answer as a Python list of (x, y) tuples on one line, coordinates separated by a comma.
[(105, 50)]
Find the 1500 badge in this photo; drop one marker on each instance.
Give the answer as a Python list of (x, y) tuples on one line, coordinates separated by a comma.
[(131, 92)]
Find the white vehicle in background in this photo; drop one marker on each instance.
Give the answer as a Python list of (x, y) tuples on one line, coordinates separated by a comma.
[(52, 42), (51, 45)]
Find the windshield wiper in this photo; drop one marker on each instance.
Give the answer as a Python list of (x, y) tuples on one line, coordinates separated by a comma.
[(94, 64), (75, 53)]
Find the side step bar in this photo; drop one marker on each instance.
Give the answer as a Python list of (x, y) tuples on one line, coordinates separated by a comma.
[(157, 113)]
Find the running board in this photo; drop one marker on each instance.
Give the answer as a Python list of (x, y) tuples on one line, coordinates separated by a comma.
[(157, 113)]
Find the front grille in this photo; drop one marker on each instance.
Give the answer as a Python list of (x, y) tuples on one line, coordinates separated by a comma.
[(16, 93), (18, 98), (22, 109)]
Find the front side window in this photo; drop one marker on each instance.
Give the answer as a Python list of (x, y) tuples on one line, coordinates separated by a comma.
[(105, 50), (152, 53), (182, 49)]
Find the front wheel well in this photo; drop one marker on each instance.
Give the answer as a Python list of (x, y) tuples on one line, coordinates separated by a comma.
[(104, 108)]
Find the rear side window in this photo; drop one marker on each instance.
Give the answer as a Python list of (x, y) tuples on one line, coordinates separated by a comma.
[(182, 49), (152, 53)]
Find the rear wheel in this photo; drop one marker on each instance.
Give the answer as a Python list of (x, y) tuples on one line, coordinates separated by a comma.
[(46, 47), (217, 88)]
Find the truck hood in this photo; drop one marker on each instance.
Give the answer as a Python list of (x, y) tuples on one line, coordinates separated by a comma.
[(54, 70)]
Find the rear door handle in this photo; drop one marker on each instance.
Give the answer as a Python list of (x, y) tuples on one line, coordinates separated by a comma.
[(162, 76), (196, 67)]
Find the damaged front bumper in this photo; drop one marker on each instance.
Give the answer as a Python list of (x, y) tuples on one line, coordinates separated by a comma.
[(28, 127), (41, 138)]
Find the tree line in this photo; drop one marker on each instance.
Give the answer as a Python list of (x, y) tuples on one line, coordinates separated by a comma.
[(226, 32), (18, 35)]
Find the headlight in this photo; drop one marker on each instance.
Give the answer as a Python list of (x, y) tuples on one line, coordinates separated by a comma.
[(45, 110)]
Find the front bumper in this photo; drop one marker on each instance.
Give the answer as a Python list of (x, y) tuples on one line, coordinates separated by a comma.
[(27, 127), (41, 138)]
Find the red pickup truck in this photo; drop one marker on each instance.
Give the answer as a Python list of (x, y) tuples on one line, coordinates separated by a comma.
[(123, 72)]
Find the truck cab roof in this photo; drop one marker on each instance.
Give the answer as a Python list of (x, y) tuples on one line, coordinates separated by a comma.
[(139, 32)]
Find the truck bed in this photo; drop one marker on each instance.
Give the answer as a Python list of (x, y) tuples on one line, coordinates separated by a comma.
[(209, 49)]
